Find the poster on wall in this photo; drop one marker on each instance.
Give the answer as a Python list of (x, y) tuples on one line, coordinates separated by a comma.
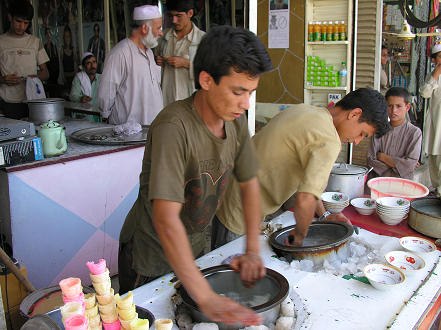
[(278, 24)]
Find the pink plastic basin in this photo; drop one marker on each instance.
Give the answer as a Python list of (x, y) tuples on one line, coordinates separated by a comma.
[(396, 187)]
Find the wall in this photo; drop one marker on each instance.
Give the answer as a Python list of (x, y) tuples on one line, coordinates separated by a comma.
[(284, 84)]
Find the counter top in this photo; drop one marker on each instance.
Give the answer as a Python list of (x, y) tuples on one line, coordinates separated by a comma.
[(323, 300), (75, 149)]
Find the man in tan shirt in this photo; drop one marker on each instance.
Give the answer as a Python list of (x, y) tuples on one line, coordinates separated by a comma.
[(21, 54), (297, 150)]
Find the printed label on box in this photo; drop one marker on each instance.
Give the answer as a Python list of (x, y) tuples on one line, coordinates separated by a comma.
[(333, 99)]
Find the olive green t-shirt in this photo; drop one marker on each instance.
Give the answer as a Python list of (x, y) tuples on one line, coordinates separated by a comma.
[(185, 163), (296, 151)]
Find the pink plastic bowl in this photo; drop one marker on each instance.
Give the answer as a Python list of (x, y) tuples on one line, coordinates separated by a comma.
[(396, 187), (76, 322), (112, 326), (97, 268)]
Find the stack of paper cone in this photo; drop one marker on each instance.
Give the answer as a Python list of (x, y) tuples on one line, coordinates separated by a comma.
[(104, 294), (126, 309), (92, 312)]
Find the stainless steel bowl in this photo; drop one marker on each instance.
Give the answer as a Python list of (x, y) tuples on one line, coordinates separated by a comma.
[(268, 293), (43, 110), (322, 239)]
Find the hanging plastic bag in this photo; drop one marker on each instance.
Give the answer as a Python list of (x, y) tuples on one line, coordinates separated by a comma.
[(34, 89)]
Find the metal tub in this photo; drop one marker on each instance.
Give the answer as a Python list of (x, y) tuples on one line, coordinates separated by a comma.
[(224, 281)]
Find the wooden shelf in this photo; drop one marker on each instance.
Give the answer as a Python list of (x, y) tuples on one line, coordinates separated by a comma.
[(340, 42), (338, 88)]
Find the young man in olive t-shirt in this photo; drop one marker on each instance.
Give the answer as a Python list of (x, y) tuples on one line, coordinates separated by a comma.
[(193, 147)]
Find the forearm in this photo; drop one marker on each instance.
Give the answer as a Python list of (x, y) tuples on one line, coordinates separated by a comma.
[(319, 208), (250, 197), (178, 252), (304, 208), (386, 159), (43, 75)]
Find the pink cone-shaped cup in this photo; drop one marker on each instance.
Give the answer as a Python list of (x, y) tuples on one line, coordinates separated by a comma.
[(79, 298), (76, 322), (71, 286), (97, 268), (112, 326)]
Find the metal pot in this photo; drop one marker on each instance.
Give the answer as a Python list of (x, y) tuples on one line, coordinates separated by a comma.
[(349, 179), (425, 216), (321, 240), (43, 110), (225, 281)]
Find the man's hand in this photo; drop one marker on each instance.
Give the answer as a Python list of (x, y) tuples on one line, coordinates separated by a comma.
[(11, 79), (251, 268), (386, 159), (178, 62), (294, 239), (160, 60), (222, 309), (85, 99), (338, 217)]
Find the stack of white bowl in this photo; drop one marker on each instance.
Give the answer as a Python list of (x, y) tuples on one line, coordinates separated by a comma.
[(334, 201), (392, 210)]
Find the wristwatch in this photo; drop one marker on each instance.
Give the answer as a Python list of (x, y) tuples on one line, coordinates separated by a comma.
[(323, 216)]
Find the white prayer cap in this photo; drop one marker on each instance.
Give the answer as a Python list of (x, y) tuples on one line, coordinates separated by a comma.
[(436, 48), (146, 12), (85, 54)]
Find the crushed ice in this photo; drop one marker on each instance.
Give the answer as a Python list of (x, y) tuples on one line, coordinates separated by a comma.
[(349, 259)]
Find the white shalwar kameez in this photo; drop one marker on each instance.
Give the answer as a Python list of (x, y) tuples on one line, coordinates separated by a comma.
[(432, 128), (130, 87)]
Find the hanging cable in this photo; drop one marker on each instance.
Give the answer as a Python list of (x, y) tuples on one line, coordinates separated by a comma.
[(407, 13)]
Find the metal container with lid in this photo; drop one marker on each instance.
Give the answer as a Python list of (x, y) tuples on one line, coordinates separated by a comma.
[(42, 110), (348, 178)]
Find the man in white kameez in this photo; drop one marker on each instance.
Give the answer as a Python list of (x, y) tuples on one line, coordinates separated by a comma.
[(432, 125), (397, 152), (176, 51), (130, 84)]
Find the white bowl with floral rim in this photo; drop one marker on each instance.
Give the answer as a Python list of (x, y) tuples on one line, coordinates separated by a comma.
[(363, 206), (384, 277), (409, 263), (417, 245)]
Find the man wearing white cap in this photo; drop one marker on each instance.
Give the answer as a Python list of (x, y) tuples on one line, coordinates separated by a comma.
[(130, 87), (176, 51), (432, 126), (85, 84)]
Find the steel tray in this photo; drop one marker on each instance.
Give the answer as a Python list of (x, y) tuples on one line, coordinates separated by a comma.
[(106, 136)]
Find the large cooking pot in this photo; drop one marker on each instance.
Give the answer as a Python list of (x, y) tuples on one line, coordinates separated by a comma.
[(425, 216), (349, 179), (43, 110), (264, 297)]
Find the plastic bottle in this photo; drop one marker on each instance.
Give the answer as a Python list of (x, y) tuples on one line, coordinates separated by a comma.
[(335, 35), (323, 30), (311, 31), (317, 31), (343, 75), (342, 31), (329, 29)]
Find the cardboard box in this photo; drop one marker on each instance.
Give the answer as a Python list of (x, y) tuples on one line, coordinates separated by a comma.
[(15, 290), (20, 151)]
